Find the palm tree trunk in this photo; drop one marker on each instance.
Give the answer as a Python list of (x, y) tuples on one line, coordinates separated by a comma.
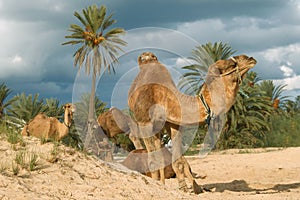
[(91, 116)]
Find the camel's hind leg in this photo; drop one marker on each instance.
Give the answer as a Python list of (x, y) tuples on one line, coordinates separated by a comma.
[(180, 164)]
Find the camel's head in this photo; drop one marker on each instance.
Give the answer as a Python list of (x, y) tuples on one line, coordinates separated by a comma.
[(224, 78), (236, 67), (146, 57), (69, 110)]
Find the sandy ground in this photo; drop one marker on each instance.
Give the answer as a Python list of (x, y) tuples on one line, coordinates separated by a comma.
[(62, 173)]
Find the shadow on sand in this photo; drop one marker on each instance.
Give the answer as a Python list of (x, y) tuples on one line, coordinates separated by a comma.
[(243, 186)]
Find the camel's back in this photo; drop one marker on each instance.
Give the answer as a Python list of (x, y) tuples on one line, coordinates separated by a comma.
[(152, 73), (39, 126), (154, 86)]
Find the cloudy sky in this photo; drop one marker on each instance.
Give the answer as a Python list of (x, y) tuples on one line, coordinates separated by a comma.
[(32, 59)]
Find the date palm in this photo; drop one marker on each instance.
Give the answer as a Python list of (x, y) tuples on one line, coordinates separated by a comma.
[(54, 109), (24, 108), (248, 119), (274, 92), (99, 48)]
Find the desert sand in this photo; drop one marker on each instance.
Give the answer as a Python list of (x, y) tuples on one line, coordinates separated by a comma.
[(60, 172)]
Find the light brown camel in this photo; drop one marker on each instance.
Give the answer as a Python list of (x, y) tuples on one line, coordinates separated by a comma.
[(45, 127), (114, 122), (156, 102)]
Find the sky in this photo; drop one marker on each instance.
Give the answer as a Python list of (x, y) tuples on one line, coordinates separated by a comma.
[(32, 59)]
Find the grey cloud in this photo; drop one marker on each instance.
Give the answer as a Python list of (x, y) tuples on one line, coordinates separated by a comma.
[(35, 29)]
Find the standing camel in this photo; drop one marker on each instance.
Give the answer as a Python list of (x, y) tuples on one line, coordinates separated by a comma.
[(45, 127), (156, 102)]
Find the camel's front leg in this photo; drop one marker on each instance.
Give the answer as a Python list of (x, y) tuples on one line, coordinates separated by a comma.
[(155, 158), (134, 134), (160, 157), (151, 157), (136, 142)]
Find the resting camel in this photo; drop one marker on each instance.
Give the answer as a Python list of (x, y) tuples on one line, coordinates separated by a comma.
[(156, 102), (45, 127), (137, 160)]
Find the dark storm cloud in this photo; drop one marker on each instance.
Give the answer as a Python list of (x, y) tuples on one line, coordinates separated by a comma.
[(33, 59)]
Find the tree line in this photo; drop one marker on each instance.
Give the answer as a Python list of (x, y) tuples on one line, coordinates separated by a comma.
[(262, 116)]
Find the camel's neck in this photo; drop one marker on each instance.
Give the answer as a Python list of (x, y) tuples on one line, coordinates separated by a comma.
[(192, 110), (219, 99), (67, 119), (66, 125)]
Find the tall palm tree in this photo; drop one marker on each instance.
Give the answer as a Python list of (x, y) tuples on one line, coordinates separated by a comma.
[(4, 93), (203, 56), (99, 48)]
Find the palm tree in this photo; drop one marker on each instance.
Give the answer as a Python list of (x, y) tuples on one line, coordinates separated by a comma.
[(4, 93), (54, 109), (248, 119), (24, 108), (82, 107), (203, 56), (273, 93), (99, 48)]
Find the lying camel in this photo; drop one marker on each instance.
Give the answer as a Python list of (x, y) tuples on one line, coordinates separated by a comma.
[(138, 160), (45, 127), (156, 102)]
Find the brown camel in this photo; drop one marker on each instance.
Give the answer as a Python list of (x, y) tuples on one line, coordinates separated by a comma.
[(45, 127), (138, 160), (114, 122), (156, 102)]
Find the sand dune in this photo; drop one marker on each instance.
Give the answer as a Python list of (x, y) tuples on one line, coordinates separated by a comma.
[(60, 172)]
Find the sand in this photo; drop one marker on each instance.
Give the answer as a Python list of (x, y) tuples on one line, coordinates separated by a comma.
[(63, 173)]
